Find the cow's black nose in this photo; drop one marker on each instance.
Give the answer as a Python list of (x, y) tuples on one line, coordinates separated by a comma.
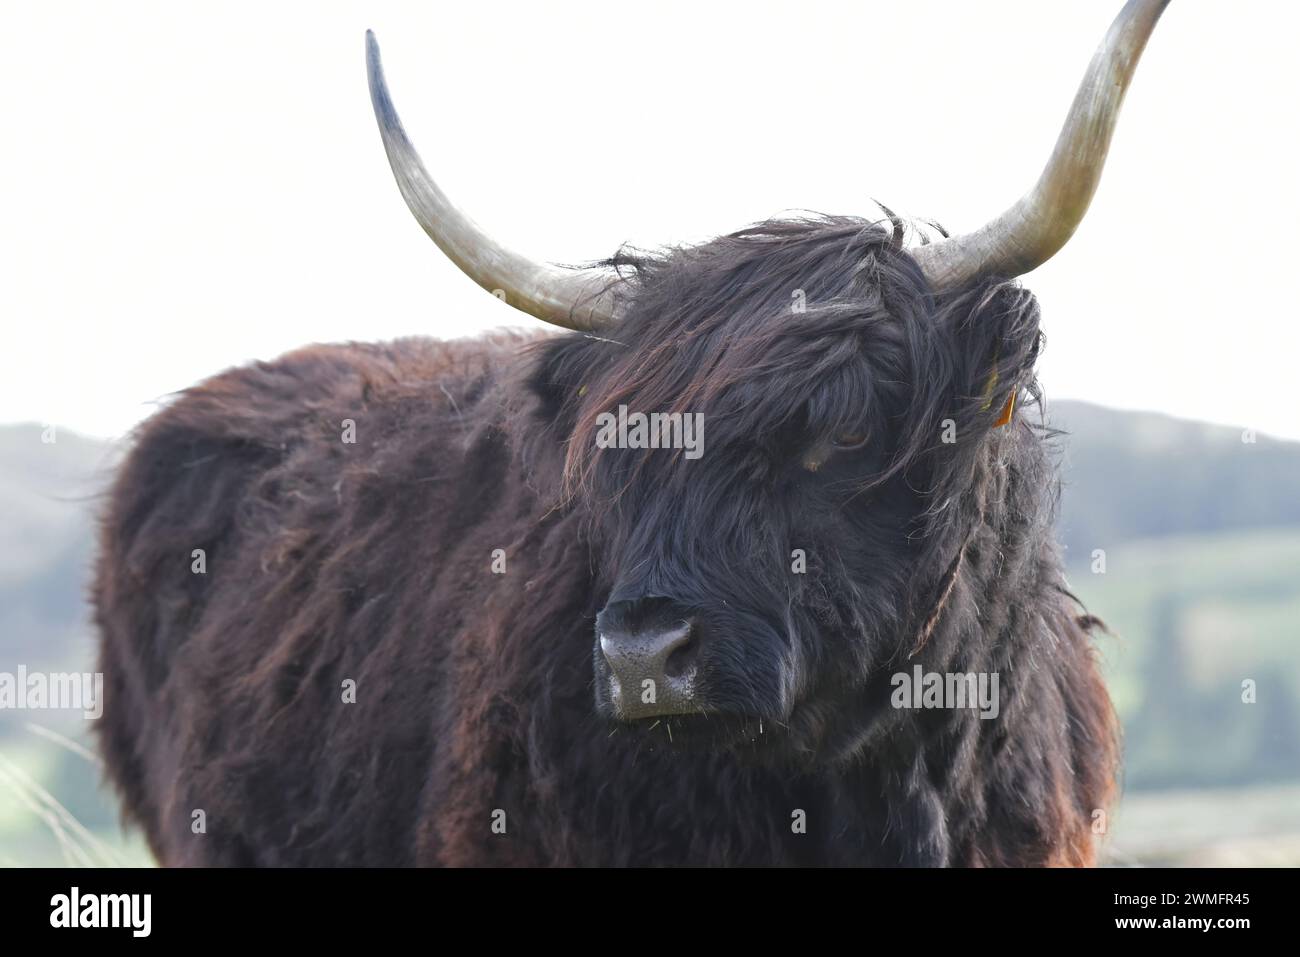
[(652, 668)]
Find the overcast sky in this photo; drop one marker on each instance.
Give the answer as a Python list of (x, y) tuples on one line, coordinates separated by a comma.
[(185, 190)]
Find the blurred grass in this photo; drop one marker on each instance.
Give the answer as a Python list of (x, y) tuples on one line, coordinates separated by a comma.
[(1258, 826), (79, 830)]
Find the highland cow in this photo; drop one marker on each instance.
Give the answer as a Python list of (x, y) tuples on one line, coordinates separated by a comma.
[(395, 604)]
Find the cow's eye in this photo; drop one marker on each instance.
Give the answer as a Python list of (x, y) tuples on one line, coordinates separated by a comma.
[(826, 449), (849, 441), (819, 454)]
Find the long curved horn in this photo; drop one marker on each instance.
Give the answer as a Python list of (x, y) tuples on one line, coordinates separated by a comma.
[(1035, 228), (578, 299)]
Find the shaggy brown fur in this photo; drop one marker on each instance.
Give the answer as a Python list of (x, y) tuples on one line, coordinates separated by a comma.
[(329, 562)]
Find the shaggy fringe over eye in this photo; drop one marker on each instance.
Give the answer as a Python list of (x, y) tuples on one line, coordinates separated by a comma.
[(815, 317)]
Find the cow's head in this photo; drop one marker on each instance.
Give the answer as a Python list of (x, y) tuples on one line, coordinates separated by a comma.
[(817, 412), (823, 394)]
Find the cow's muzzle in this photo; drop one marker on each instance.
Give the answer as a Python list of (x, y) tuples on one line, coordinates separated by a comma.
[(650, 647)]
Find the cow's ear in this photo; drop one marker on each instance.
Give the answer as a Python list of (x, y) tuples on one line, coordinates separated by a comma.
[(558, 378), (993, 342)]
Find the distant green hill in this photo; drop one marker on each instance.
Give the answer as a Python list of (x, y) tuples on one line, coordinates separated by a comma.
[(1138, 475), (48, 492)]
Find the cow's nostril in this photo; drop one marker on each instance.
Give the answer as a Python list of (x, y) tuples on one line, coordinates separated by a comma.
[(681, 661)]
